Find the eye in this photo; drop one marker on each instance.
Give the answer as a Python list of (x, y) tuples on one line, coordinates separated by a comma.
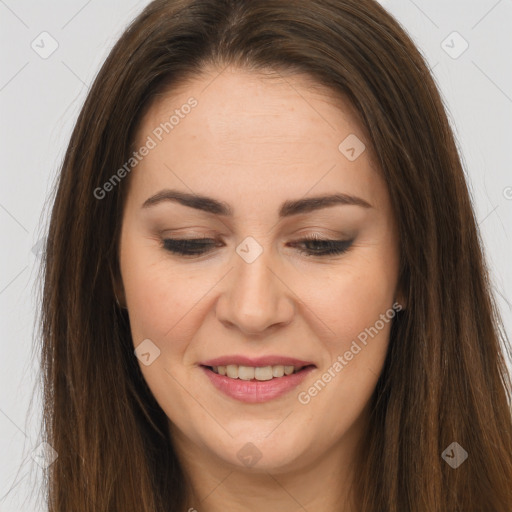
[(189, 246), (315, 246), (324, 247)]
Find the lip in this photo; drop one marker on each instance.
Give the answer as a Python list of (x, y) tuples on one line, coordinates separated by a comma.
[(254, 391), (271, 360)]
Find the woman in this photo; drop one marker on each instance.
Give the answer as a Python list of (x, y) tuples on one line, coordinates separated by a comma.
[(264, 285)]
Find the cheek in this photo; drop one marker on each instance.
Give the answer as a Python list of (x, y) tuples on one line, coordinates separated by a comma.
[(159, 298), (156, 295), (352, 297), (355, 303)]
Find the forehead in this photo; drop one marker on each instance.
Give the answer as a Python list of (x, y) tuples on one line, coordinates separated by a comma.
[(258, 134)]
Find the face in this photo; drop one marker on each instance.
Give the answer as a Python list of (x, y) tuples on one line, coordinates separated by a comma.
[(235, 273)]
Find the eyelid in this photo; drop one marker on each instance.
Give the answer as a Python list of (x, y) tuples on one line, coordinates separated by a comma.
[(195, 247)]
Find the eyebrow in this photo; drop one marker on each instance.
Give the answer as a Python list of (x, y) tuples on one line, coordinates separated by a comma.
[(287, 209)]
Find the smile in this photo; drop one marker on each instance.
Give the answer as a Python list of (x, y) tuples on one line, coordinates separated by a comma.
[(234, 371), (256, 384)]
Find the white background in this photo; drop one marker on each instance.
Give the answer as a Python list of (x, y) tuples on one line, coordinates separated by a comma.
[(41, 97)]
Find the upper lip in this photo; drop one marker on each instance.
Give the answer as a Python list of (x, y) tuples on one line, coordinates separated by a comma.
[(270, 360)]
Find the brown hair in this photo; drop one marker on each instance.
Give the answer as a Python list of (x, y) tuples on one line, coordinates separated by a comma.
[(444, 378)]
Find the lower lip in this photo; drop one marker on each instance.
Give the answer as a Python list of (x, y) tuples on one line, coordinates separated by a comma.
[(255, 391)]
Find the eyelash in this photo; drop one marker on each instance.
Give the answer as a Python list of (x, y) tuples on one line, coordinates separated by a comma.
[(195, 246)]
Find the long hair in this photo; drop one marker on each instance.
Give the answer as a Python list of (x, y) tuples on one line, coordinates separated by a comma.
[(444, 379)]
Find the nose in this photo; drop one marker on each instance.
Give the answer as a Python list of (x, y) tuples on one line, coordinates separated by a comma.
[(255, 298)]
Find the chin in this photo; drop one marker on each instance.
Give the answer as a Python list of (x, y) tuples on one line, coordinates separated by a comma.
[(259, 453)]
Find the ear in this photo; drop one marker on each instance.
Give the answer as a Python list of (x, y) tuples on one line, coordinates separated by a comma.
[(117, 286)]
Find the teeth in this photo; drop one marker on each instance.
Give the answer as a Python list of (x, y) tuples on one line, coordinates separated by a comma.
[(263, 373), (246, 372), (278, 371), (241, 372), (232, 371)]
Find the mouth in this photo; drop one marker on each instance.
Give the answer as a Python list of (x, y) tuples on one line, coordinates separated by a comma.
[(257, 373), (261, 381)]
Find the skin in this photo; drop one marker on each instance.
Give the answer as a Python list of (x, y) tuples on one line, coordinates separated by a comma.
[(254, 142)]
